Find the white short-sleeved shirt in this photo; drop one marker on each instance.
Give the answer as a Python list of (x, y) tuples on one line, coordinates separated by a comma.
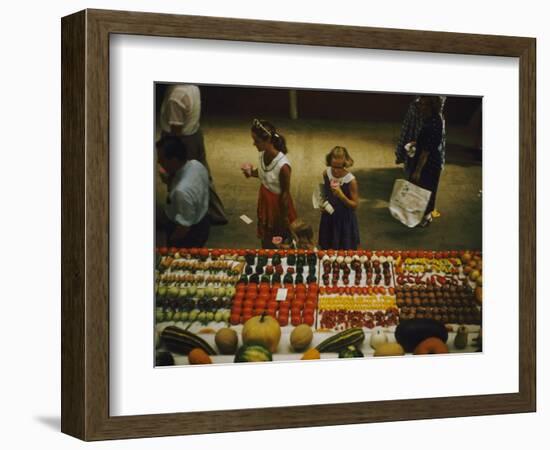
[(188, 195), (181, 107), (347, 178), (269, 175)]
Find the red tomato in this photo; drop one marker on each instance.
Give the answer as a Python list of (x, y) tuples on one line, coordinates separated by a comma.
[(248, 303), (235, 319), (320, 254), (283, 320), (260, 304), (284, 306), (309, 320), (309, 305), (296, 320)]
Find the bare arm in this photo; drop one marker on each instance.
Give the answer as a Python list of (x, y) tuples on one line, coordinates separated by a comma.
[(353, 201), (284, 180)]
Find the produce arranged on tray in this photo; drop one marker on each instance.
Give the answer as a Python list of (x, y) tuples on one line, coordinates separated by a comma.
[(357, 291), (196, 285), (216, 305), (439, 286)]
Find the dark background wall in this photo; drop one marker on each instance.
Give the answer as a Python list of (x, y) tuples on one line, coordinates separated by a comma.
[(316, 104)]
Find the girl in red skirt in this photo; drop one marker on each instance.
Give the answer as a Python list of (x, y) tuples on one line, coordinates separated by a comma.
[(275, 206)]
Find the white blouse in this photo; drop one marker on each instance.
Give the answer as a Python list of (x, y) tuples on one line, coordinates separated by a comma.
[(269, 175), (343, 180)]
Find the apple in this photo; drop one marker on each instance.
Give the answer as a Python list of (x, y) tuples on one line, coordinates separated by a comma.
[(173, 291)]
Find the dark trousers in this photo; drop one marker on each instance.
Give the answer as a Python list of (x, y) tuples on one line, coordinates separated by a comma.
[(195, 237), (429, 179)]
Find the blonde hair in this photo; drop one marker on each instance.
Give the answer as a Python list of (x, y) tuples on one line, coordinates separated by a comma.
[(339, 151), (303, 233)]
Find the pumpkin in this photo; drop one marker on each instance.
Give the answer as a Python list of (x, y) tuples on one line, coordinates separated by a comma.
[(262, 330), (198, 356), (430, 346), (301, 337), (312, 353)]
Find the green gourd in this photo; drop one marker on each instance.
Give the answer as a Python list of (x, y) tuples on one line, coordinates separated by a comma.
[(253, 353)]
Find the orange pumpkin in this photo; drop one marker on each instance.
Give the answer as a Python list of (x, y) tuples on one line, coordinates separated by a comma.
[(198, 356), (431, 346), (312, 353)]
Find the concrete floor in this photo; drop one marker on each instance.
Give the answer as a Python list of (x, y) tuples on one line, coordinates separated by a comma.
[(228, 145)]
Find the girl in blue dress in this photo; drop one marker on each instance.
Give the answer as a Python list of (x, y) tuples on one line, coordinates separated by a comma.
[(339, 229)]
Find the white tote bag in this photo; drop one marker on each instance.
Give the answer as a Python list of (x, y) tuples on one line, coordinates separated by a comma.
[(408, 202)]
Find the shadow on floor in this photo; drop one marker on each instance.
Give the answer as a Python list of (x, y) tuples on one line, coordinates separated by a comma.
[(52, 422)]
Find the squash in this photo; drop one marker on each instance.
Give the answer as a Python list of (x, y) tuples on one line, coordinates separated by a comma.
[(182, 341), (312, 353), (253, 353), (353, 336), (431, 346), (226, 340), (301, 337), (378, 337), (389, 349), (198, 356), (263, 330), (409, 333), (350, 351)]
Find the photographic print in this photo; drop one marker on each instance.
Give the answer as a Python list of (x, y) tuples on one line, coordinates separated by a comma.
[(296, 224)]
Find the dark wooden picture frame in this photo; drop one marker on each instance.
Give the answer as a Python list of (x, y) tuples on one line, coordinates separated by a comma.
[(85, 224)]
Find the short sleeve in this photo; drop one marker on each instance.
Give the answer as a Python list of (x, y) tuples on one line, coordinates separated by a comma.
[(175, 113), (181, 209)]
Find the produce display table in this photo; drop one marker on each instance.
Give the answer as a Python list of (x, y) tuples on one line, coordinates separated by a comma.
[(344, 295)]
